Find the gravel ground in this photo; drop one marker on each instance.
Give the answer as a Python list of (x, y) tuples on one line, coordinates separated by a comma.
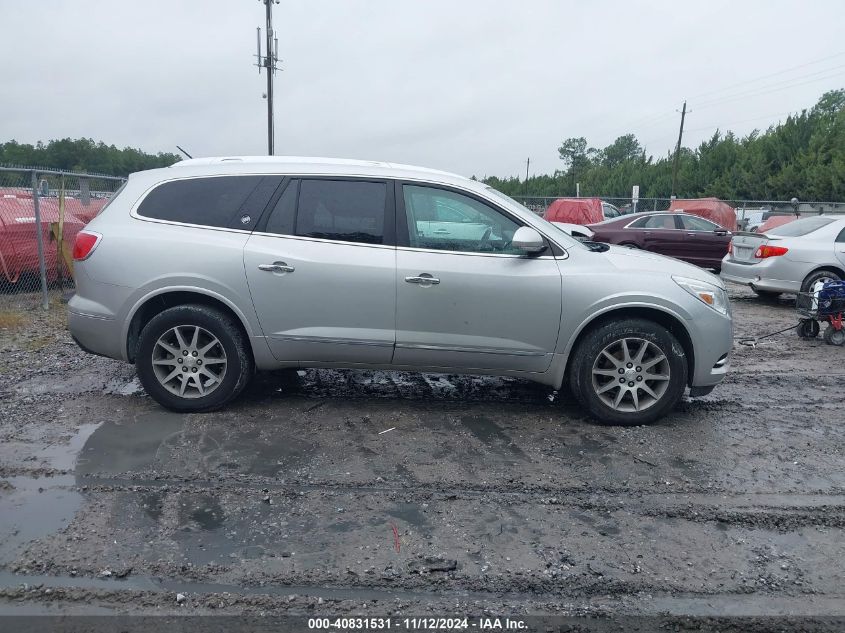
[(326, 492)]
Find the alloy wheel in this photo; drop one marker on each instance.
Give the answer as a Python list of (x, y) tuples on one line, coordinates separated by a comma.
[(631, 374), (189, 361)]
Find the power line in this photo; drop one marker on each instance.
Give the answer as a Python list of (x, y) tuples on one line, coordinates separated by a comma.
[(724, 125), (655, 119), (775, 87), (770, 75)]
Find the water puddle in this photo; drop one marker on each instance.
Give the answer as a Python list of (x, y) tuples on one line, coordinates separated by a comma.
[(34, 508)]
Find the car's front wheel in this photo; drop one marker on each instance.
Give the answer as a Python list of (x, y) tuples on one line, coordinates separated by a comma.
[(628, 372), (193, 358)]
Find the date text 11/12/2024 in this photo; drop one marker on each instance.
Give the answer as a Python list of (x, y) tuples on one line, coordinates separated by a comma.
[(416, 624)]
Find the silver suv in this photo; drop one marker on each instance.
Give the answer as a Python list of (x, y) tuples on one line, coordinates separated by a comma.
[(203, 272)]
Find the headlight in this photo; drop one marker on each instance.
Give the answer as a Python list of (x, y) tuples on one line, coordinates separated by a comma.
[(705, 292)]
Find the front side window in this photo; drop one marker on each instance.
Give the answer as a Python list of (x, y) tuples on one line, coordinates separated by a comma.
[(220, 201), (445, 220), (345, 210), (692, 223)]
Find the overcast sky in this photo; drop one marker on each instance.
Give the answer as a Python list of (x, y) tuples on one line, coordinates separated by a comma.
[(472, 86)]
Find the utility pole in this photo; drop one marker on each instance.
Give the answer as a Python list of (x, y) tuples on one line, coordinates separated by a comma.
[(678, 151), (527, 165), (268, 62)]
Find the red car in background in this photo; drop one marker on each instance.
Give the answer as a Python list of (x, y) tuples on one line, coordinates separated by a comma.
[(681, 235), (19, 233), (580, 211)]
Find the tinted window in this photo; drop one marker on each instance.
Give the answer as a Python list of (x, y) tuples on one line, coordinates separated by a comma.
[(213, 201), (841, 236), (445, 220), (352, 211), (655, 222), (282, 216), (609, 210), (801, 227), (692, 223)]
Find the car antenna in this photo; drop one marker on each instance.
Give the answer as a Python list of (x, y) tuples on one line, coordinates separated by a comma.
[(184, 152)]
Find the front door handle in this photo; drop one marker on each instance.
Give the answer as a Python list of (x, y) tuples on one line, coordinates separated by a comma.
[(276, 267), (424, 279)]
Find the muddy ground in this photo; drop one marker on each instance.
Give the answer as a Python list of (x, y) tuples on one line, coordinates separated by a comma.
[(377, 493)]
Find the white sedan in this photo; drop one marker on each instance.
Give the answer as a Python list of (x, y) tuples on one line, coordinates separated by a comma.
[(789, 258)]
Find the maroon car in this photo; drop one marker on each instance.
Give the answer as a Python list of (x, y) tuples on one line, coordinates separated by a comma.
[(681, 235)]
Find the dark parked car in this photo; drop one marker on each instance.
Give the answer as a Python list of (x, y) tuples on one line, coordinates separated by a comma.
[(681, 235)]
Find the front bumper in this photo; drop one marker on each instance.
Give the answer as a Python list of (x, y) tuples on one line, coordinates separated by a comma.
[(711, 335)]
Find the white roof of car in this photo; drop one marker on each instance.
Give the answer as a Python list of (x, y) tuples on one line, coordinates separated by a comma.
[(312, 165)]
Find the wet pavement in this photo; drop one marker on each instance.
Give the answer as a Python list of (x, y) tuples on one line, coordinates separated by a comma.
[(324, 491)]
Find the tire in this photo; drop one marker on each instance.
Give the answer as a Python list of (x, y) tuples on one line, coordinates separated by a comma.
[(832, 336), (808, 328), (588, 357), (159, 344), (812, 278), (767, 295)]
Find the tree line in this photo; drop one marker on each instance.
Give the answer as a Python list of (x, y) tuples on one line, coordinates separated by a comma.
[(82, 155), (803, 156)]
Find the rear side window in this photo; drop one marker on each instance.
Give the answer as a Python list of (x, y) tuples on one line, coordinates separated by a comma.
[(609, 210), (222, 201), (654, 222), (804, 226), (841, 237), (343, 210)]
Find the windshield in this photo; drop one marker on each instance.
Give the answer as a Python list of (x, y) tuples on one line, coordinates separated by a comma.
[(800, 227), (565, 238)]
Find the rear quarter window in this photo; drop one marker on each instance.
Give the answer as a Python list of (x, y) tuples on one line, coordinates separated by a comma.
[(804, 226), (221, 201)]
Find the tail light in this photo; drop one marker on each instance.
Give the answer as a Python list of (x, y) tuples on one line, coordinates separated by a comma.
[(770, 251), (730, 247), (84, 245)]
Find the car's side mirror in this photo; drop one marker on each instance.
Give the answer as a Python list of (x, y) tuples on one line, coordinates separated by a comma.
[(528, 241)]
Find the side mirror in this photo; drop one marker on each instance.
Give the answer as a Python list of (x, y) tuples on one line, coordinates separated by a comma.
[(528, 241)]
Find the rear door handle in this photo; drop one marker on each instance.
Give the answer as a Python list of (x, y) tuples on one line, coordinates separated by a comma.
[(276, 267), (424, 279)]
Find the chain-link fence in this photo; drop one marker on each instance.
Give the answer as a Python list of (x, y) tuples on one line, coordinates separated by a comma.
[(746, 210), (41, 211), (749, 213)]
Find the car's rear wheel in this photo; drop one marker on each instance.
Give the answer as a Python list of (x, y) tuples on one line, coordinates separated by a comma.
[(628, 372), (193, 358), (820, 275)]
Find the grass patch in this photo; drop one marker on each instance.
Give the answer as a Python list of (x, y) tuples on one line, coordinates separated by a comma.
[(10, 320)]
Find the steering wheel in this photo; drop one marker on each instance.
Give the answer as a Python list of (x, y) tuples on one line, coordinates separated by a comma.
[(484, 243)]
